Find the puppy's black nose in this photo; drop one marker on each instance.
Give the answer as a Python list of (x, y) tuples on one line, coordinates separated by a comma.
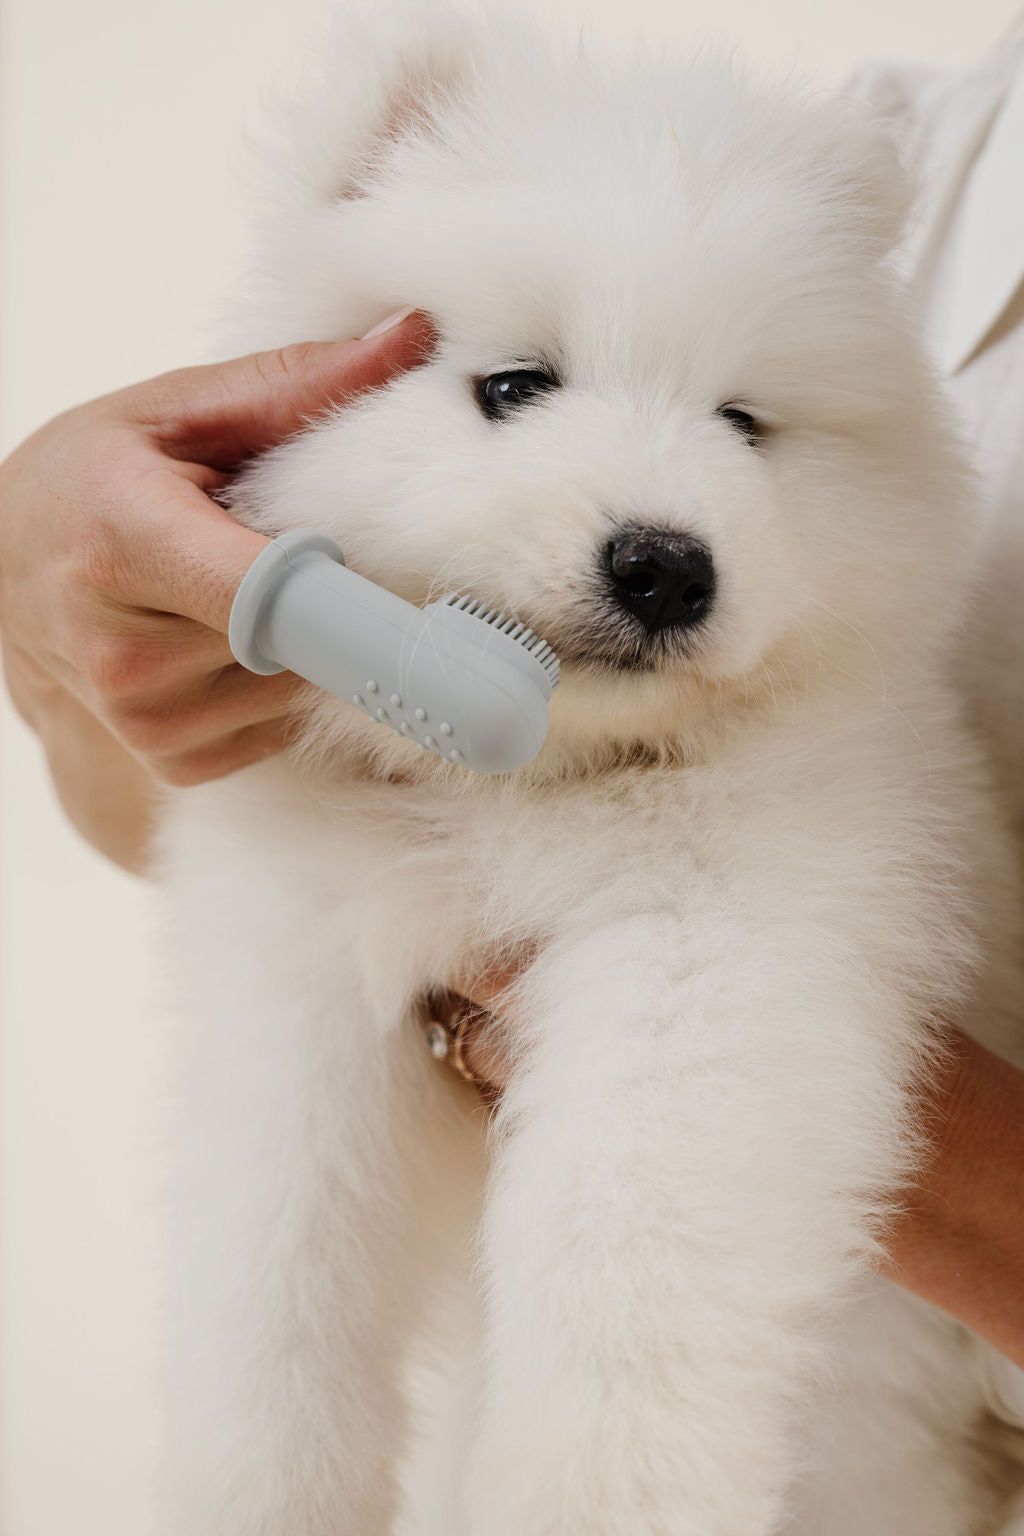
[(666, 580)]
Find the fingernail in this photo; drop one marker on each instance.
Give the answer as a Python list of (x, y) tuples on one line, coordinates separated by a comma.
[(390, 323)]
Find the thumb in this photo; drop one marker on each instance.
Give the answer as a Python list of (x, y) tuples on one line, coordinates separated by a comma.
[(223, 413), (219, 415)]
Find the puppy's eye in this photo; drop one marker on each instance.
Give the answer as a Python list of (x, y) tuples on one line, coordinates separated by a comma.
[(503, 393), (741, 421)]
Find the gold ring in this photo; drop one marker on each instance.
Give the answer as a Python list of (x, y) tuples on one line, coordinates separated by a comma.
[(450, 1023)]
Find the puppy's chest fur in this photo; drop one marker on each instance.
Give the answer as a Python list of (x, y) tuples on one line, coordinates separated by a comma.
[(399, 886), (466, 876)]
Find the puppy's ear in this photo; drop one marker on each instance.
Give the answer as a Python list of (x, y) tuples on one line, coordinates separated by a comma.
[(390, 73), (873, 164)]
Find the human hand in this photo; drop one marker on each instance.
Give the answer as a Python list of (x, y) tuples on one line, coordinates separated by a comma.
[(118, 570)]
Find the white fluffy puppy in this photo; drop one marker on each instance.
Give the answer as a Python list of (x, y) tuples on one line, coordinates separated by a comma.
[(678, 422)]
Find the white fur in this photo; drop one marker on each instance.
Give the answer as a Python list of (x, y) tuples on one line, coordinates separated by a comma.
[(745, 882)]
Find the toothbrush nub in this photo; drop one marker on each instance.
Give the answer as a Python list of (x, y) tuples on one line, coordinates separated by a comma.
[(457, 678)]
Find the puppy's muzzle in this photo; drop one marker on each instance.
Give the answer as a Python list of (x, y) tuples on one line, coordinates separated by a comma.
[(664, 580)]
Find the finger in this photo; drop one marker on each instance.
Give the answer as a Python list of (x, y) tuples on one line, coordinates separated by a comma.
[(486, 990), (118, 652), (487, 1039), (241, 749), (211, 711), (223, 413), (486, 1051)]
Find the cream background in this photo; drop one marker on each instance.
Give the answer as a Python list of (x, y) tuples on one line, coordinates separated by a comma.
[(121, 225)]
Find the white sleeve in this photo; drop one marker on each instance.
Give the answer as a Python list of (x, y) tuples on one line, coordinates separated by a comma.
[(961, 136)]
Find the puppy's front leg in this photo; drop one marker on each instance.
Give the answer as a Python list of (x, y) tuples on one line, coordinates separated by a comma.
[(680, 1190), (307, 1230)]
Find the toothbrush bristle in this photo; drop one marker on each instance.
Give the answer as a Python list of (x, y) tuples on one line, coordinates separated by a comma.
[(511, 626)]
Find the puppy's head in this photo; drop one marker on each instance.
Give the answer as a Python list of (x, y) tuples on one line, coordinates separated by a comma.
[(676, 419)]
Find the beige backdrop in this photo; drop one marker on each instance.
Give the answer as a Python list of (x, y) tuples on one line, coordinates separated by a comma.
[(121, 225)]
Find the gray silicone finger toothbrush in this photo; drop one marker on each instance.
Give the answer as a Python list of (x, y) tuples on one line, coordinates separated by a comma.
[(467, 684)]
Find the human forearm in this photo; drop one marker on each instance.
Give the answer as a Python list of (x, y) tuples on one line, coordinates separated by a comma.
[(959, 1240)]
